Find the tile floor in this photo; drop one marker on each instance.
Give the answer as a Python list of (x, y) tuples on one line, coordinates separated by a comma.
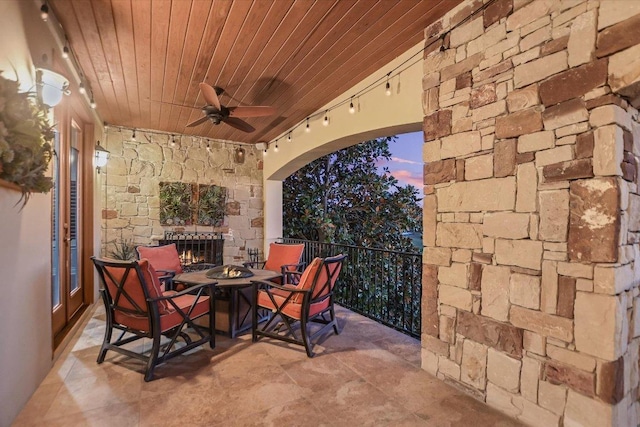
[(369, 375)]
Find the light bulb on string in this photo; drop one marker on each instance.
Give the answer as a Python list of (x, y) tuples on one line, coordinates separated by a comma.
[(387, 87), (133, 135), (289, 137), (92, 103), (65, 52), (275, 149), (44, 12), (308, 128), (325, 122), (82, 89), (173, 140), (352, 109)]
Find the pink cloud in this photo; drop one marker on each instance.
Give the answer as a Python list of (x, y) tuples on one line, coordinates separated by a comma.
[(408, 177), (401, 160)]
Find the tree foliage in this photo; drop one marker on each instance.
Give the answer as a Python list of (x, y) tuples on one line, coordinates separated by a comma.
[(342, 198)]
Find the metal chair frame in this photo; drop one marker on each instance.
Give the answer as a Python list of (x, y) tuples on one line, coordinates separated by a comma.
[(152, 313)]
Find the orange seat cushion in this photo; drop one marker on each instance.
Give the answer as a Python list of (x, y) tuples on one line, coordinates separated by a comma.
[(162, 257), (291, 309)]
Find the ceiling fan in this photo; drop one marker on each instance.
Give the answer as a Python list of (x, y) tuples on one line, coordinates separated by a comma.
[(217, 113)]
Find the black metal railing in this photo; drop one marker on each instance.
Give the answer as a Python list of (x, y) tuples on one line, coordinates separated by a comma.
[(382, 285)]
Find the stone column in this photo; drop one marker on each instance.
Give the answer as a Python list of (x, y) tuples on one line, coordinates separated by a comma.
[(532, 207)]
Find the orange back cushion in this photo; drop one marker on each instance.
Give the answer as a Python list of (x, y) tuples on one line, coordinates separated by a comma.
[(306, 280), (162, 257), (133, 287), (281, 254)]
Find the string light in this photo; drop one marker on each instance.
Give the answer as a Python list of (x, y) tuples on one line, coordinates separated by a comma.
[(65, 52), (325, 122), (44, 12), (92, 103), (82, 89), (307, 129), (388, 86), (133, 135), (173, 140), (352, 109), (289, 137), (275, 149)]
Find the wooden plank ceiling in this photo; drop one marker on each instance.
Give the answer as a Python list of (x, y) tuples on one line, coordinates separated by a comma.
[(144, 59)]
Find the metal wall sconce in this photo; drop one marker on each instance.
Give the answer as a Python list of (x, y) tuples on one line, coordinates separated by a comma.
[(51, 86), (238, 155), (102, 156)]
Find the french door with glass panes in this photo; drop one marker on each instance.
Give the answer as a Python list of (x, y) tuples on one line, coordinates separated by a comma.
[(68, 295)]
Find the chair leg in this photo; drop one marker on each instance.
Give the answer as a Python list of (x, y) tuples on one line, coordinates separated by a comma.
[(305, 337), (212, 323), (334, 321), (153, 358), (107, 339)]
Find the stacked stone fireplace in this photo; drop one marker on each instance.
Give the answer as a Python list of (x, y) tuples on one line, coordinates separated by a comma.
[(532, 207)]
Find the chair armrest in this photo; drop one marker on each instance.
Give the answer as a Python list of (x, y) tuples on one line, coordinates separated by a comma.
[(254, 264), (261, 284), (188, 291), (292, 276)]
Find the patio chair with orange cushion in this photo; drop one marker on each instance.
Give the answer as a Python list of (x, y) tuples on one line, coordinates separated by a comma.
[(294, 309), (283, 258), (135, 305), (166, 261)]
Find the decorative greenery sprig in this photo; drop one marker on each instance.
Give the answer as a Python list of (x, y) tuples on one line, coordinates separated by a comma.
[(25, 135)]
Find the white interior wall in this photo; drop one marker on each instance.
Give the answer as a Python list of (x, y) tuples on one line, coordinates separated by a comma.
[(25, 246)]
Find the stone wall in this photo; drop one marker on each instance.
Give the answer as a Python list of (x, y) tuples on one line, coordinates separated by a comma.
[(532, 207), (136, 168)]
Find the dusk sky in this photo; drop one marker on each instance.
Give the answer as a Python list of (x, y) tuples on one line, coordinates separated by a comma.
[(406, 162)]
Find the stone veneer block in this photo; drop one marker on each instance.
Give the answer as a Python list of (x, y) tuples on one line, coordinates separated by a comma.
[(476, 196), (535, 343), (439, 171), (619, 37), (507, 225), (573, 83), (582, 39), (503, 370), (584, 145), (523, 98), (582, 411), (528, 14), (552, 397), (612, 279), (554, 215), (566, 296), (495, 292), (501, 400), (474, 364), (498, 335), (624, 78), (524, 290), (459, 235), (429, 215), (455, 297), (527, 188), (611, 381), (434, 345), (456, 275), (496, 11), (634, 212), (600, 325), (576, 379), (536, 141), (437, 125), (570, 170), (475, 276), (454, 70), (539, 69), (542, 323), (448, 367), (564, 114), (535, 416), (504, 158), (610, 114), (563, 153), (436, 256), (529, 378), (594, 217), (460, 144), (549, 291), (466, 32), (608, 150), (518, 123), (483, 95), (522, 253), (571, 357), (430, 321), (478, 167)]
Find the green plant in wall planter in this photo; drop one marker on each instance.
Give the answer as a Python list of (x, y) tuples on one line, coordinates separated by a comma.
[(211, 205), (176, 203), (25, 150)]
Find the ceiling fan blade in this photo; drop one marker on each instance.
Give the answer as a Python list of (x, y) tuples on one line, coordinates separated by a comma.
[(198, 122), (239, 124), (210, 95), (251, 111)]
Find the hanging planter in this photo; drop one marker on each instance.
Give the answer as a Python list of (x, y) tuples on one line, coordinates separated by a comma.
[(25, 150)]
